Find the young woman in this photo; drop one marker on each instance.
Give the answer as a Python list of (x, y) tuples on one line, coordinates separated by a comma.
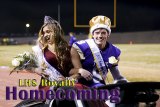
[(52, 51)]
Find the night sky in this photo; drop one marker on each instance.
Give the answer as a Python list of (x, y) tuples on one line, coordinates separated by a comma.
[(16, 13), (132, 15)]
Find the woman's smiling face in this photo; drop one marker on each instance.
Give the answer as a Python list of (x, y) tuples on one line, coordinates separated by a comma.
[(47, 34)]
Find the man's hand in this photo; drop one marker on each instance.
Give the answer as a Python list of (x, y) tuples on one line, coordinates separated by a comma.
[(85, 74)]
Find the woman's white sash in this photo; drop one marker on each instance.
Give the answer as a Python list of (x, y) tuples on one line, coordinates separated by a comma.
[(53, 73)]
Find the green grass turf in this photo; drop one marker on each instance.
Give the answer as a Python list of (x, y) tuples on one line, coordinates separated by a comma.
[(139, 62)]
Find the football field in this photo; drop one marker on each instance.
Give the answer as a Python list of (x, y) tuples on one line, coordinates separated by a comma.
[(138, 62)]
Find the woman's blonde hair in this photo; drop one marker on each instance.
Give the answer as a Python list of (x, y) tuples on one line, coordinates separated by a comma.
[(61, 46)]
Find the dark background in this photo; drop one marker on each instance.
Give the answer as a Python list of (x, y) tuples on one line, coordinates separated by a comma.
[(132, 15)]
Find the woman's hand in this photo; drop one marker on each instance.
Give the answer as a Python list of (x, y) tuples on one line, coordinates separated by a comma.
[(85, 74), (40, 72), (61, 78)]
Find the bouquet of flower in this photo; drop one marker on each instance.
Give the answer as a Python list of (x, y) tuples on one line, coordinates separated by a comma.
[(25, 61)]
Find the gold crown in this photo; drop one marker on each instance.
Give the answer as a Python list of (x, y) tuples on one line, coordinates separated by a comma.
[(100, 20)]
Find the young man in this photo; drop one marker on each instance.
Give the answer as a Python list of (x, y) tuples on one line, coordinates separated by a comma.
[(94, 57)]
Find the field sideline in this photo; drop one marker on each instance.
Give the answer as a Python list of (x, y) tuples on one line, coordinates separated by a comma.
[(139, 62)]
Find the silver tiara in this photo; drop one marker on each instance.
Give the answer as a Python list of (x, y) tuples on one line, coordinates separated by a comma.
[(48, 19)]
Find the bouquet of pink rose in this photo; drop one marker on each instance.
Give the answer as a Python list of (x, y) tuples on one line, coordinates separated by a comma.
[(25, 61)]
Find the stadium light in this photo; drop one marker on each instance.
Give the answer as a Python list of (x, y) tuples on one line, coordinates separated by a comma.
[(27, 25), (27, 29)]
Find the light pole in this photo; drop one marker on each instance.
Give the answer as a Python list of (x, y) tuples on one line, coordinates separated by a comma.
[(59, 13)]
